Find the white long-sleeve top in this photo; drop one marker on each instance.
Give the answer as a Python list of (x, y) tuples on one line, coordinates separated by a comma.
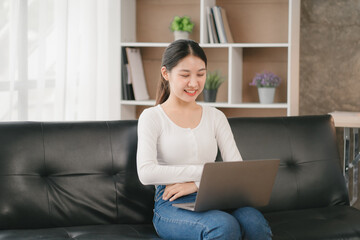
[(168, 153)]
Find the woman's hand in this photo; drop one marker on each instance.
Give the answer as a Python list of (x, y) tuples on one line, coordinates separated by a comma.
[(174, 191)]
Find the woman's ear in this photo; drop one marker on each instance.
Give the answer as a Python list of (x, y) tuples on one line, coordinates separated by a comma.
[(164, 73)]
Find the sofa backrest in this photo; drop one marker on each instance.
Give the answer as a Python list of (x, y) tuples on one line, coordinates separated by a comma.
[(309, 175), (83, 173), (70, 173)]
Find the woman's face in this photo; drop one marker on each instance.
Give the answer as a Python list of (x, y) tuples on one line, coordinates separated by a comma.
[(186, 79)]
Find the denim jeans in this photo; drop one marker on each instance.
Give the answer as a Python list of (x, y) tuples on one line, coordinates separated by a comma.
[(175, 223)]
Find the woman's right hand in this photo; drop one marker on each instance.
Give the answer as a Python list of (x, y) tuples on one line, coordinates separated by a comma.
[(174, 191)]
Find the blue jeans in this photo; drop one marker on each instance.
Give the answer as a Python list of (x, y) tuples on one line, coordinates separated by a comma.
[(175, 223)]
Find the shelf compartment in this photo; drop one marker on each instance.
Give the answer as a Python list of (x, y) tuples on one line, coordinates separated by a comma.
[(153, 19), (151, 58), (217, 59), (257, 21), (257, 60)]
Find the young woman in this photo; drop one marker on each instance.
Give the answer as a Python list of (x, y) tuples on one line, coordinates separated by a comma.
[(175, 139)]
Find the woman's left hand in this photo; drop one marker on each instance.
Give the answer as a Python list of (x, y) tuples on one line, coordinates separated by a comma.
[(174, 191)]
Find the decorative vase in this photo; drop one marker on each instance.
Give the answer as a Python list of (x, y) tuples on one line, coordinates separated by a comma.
[(266, 94), (210, 95), (181, 35)]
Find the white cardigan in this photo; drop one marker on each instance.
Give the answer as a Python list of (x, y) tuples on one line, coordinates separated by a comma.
[(168, 153)]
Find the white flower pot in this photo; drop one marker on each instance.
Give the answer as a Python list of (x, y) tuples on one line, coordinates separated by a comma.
[(266, 95), (181, 35)]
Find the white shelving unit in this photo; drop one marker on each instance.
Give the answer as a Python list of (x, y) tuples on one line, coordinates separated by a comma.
[(239, 61)]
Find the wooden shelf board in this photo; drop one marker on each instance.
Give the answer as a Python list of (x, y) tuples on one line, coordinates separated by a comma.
[(207, 45), (216, 104)]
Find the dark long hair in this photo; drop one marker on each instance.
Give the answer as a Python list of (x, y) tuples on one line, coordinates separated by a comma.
[(173, 54)]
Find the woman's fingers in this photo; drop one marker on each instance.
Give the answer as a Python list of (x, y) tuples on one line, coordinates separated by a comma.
[(169, 191), (174, 191), (176, 196)]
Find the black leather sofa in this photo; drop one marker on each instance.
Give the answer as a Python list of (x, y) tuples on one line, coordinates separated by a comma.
[(78, 180)]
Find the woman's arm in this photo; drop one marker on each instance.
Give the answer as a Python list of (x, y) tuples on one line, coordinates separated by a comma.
[(149, 170), (225, 138)]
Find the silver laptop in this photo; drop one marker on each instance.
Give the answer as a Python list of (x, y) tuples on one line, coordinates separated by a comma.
[(226, 185)]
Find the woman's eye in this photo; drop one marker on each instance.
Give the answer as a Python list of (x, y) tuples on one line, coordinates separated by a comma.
[(184, 76), (201, 75)]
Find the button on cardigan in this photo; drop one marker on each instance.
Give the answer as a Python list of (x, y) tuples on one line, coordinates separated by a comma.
[(168, 153)]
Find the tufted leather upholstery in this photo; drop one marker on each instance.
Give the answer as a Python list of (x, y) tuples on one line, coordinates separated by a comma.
[(309, 198), (71, 174), (78, 180), (309, 175)]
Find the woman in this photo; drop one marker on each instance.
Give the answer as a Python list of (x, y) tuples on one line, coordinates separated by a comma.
[(175, 139)]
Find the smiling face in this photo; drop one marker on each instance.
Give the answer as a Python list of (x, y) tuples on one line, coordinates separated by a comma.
[(186, 79)]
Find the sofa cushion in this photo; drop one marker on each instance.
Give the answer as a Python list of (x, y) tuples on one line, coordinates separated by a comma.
[(105, 232), (337, 222), (70, 174), (309, 174)]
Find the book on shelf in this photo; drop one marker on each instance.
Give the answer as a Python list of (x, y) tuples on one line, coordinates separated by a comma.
[(136, 71), (216, 31), (211, 26), (126, 81), (129, 85), (218, 25), (228, 34)]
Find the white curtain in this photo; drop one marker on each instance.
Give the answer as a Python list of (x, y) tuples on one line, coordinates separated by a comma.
[(61, 60)]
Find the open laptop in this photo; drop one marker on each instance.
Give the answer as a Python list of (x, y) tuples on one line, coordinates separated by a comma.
[(227, 185)]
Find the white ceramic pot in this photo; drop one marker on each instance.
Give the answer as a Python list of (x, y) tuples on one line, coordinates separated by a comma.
[(181, 35), (266, 95)]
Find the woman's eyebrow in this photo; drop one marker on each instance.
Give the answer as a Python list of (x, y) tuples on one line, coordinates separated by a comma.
[(186, 70)]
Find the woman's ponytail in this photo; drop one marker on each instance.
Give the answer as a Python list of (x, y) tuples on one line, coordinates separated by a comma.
[(163, 91)]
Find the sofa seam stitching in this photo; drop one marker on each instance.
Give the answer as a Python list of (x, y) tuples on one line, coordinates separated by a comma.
[(292, 157), (112, 171), (45, 168)]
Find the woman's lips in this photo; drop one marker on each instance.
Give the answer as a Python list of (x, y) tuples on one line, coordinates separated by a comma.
[(191, 92)]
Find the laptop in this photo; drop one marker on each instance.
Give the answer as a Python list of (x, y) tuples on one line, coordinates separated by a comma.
[(228, 185)]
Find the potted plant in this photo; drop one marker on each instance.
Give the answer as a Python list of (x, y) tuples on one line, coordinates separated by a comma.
[(212, 84), (181, 26), (266, 83)]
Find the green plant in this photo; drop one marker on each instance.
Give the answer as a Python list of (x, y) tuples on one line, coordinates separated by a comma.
[(182, 24), (213, 80)]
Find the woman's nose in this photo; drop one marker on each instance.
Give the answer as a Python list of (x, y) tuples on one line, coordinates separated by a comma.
[(192, 82)]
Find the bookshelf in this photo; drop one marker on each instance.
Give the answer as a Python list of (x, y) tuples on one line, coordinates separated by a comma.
[(266, 37)]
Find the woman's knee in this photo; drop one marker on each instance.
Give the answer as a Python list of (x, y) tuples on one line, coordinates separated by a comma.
[(207, 225), (221, 225), (248, 214), (253, 223)]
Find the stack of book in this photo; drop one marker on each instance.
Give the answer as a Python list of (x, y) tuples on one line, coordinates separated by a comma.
[(133, 77), (218, 25)]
